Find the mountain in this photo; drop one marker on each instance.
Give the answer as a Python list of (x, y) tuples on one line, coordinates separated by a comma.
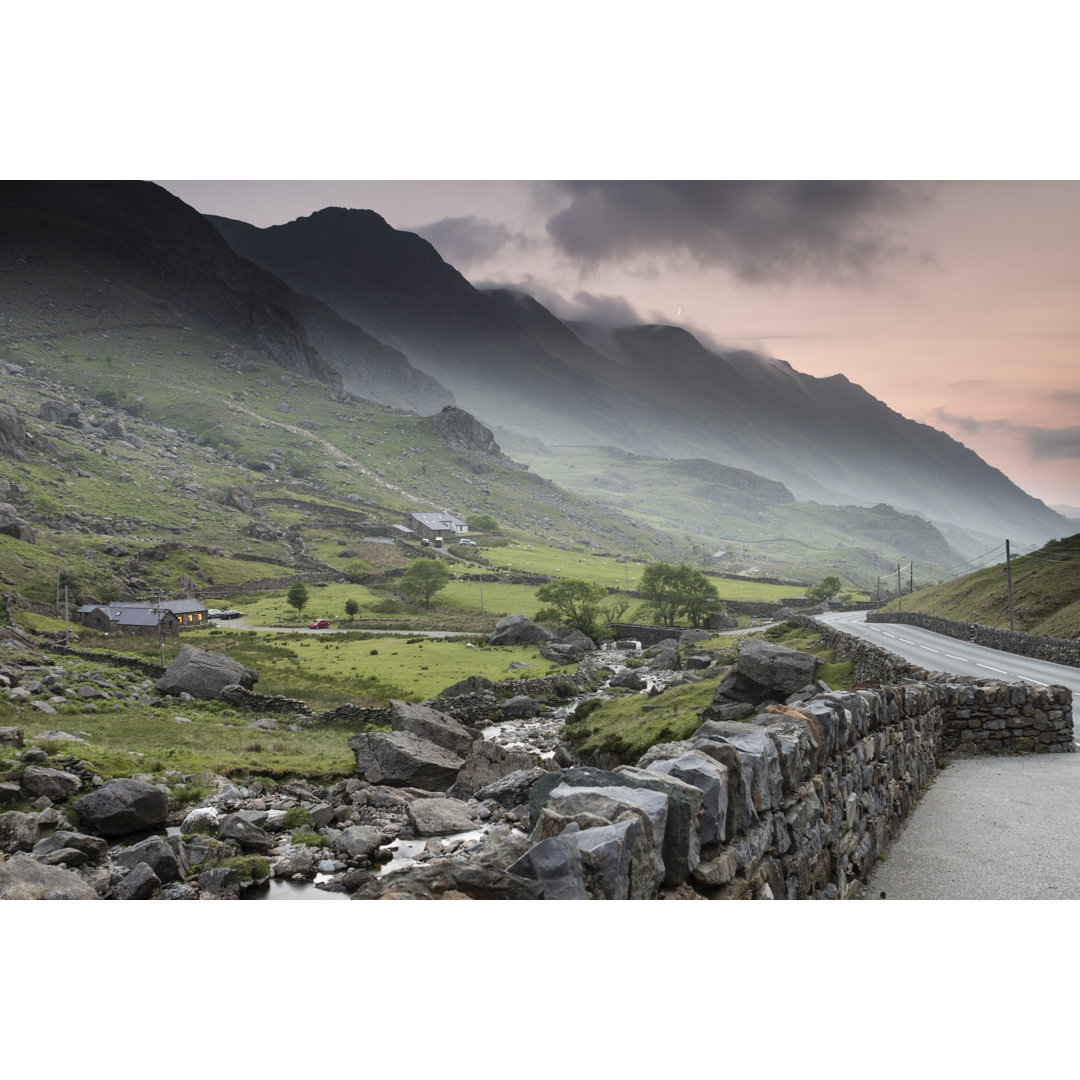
[(88, 235), (652, 390)]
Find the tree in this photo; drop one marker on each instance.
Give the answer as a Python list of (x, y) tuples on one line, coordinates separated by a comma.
[(658, 588), (298, 596), (697, 595), (670, 591), (572, 601), (355, 570), (351, 608), (424, 578), (482, 523), (820, 593)]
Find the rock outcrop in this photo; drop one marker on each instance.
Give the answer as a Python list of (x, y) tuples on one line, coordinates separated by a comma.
[(204, 674)]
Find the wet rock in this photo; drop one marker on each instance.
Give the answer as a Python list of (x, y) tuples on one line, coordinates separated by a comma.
[(520, 707), (555, 864), (357, 842), (220, 883), (248, 836), (486, 764)]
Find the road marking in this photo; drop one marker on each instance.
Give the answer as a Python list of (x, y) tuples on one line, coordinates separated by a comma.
[(952, 657), (1001, 671), (905, 641), (928, 649)]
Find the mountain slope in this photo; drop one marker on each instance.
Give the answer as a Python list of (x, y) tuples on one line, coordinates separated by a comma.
[(96, 233), (653, 390)]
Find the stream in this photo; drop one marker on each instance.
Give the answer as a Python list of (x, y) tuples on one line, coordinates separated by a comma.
[(538, 735)]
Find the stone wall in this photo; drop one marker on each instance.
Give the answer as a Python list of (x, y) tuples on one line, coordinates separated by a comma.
[(980, 716), (1056, 650)]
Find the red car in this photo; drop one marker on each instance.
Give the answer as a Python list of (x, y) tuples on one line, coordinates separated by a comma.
[(319, 624)]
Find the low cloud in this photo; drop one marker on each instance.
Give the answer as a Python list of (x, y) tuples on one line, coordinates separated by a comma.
[(1041, 443), (773, 230), (608, 311), (470, 241)]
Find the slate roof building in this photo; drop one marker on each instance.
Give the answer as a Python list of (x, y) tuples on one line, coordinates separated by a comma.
[(142, 617), (436, 524)]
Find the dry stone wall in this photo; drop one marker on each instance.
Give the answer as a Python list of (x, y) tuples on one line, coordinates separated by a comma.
[(979, 716)]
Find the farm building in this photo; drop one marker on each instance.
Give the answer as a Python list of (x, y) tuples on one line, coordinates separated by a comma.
[(429, 526)]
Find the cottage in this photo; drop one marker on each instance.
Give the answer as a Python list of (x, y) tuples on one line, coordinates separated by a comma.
[(143, 616), (430, 526)]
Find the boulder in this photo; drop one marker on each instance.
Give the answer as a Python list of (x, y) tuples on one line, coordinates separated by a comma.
[(92, 849), (571, 635), (510, 790), (221, 883), (606, 852), (472, 685), (589, 807), (629, 680), (520, 707), (451, 879), (11, 736), (123, 806), (401, 759), (440, 817), (204, 674), (154, 852), (248, 836), (25, 878), (20, 832), (487, 763), (518, 630), (436, 727), (711, 779), (761, 780), (767, 672), (52, 783), (556, 864), (60, 412), (12, 429), (140, 884), (357, 842)]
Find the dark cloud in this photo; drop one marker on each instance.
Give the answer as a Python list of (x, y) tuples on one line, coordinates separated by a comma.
[(1041, 443), (1066, 397), (760, 230), (469, 241), (610, 311), (1053, 442)]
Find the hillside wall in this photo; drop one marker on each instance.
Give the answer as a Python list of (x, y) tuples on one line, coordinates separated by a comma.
[(1056, 650)]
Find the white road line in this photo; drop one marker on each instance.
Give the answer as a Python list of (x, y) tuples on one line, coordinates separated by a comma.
[(928, 649), (906, 641), (953, 657), (1001, 671)]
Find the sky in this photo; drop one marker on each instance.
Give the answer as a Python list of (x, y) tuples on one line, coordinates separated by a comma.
[(955, 302)]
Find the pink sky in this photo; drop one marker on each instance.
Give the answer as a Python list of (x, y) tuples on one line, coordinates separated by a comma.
[(966, 319)]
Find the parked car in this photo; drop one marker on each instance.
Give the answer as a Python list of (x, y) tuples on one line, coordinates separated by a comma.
[(467, 543), (214, 613), (231, 614), (319, 624)]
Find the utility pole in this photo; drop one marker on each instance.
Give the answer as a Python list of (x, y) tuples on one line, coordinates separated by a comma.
[(899, 587), (1008, 578), (481, 592), (911, 579), (877, 593), (67, 627)]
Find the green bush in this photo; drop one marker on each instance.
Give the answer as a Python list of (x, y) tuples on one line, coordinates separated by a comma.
[(311, 839), (297, 816)]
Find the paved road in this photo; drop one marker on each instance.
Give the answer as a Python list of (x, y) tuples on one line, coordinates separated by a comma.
[(989, 828), (938, 653)]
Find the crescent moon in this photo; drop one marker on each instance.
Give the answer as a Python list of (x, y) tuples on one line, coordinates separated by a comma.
[(679, 312)]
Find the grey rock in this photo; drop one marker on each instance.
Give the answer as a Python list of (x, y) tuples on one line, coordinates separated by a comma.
[(629, 679), (606, 852), (11, 736), (430, 724), (53, 783), (440, 817), (121, 807), (519, 707), (487, 763), (25, 878), (140, 884), (357, 842), (517, 630), (556, 864), (401, 759), (93, 848), (156, 853), (711, 779), (472, 685), (220, 883), (204, 674), (247, 835)]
